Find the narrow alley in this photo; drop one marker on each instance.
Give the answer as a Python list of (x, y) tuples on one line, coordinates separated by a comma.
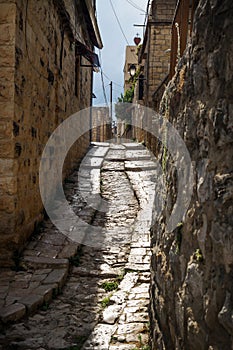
[(104, 303), (116, 177)]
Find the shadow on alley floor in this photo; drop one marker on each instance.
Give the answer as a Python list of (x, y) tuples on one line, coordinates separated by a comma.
[(104, 303)]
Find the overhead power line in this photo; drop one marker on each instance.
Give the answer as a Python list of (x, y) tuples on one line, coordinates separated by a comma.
[(112, 80), (135, 6), (118, 21), (102, 79), (103, 87), (118, 91)]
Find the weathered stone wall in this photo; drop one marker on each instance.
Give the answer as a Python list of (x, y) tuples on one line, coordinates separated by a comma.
[(192, 276), (159, 41), (154, 57), (101, 124), (39, 83), (8, 165)]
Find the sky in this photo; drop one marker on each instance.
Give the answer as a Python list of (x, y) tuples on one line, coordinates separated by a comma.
[(112, 56)]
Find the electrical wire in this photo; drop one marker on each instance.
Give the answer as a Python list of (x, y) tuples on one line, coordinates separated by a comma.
[(103, 87), (135, 6), (102, 79), (122, 31), (100, 89), (118, 91), (118, 21), (146, 16), (112, 80)]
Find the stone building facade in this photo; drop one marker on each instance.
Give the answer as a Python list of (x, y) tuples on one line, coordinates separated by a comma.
[(192, 267), (43, 48), (154, 63), (101, 124), (154, 55), (131, 58)]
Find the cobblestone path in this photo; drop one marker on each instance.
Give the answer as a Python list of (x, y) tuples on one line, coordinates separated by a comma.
[(104, 303)]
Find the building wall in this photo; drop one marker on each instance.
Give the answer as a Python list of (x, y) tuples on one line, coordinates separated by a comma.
[(8, 164), (191, 292), (154, 59), (130, 58), (156, 65), (38, 79), (101, 124)]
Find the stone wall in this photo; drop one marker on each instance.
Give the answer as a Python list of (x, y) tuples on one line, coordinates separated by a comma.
[(154, 58), (158, 43), (192, 277), (8, 164), (42, 84), (101, 124)]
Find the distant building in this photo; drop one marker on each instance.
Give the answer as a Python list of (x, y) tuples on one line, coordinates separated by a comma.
[(130, 58), (101, 124), (154, 55), (167, 33)]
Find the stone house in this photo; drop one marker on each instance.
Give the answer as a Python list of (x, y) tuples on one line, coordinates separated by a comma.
[(153, 61), (46, 65), (154, 55), (101, 124), (167, 34), (130, 59)]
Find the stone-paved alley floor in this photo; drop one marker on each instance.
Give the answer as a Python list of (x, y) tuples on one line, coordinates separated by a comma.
[(104, 302)]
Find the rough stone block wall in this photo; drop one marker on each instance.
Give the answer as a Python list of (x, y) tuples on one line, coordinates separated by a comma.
[(192, 267), (156, 65), (159, 58), (163, 9), (101, 124), (8, 165), (159, 42), (38, 83)]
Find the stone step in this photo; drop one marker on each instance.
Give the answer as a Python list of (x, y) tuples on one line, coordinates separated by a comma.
[(44, 263), (140, 165)]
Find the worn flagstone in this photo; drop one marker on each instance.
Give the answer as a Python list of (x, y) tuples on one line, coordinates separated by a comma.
[(84, 313)]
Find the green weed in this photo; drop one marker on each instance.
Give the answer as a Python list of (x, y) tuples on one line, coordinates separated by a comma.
[(109, 286), (106, 300), (141, 345), (198, 256)]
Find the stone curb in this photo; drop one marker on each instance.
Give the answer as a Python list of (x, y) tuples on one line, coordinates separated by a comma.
[(50, 285), (47, 273)]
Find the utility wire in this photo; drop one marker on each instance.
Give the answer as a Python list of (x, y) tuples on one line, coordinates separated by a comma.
[(118, 91), (147, 11), (146, 16), (112, 80), (135, 6), (103, 87), (96, 91), (102, 79), (122, 31)]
